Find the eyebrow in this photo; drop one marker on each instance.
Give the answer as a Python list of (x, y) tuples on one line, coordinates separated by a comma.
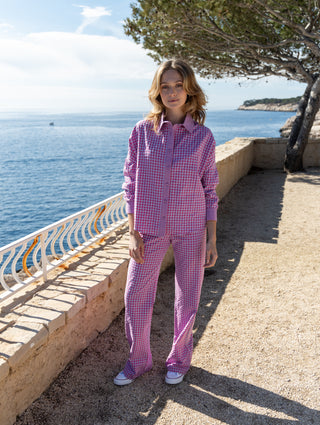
[(166, 82)]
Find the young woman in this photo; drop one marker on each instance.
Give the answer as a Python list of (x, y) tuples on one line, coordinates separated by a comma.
[(170, 180)]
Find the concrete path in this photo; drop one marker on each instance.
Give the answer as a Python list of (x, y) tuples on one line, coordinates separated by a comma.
[(257, 335)]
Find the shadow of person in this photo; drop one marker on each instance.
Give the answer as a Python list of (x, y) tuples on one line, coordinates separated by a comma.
[(235, 402), (250, 212)]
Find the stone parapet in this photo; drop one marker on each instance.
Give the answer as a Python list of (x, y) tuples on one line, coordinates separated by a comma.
[(234, 160), (269, 153)]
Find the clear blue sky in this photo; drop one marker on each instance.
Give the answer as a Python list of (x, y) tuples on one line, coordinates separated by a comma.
[(70, 56)]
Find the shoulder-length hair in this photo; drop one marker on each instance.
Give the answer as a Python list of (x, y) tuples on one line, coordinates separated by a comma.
[(196, 99)]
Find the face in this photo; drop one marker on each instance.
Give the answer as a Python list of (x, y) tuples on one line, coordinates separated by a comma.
[(172, 93)]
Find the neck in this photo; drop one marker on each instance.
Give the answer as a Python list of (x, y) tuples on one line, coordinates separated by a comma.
[(175, 117)]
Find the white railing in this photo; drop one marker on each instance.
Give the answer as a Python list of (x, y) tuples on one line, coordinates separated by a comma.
[(32, 257)]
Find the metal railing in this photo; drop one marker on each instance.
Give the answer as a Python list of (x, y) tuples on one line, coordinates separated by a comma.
[(32, 257)]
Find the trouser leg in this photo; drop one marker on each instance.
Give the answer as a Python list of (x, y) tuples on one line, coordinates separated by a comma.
[(189, 251), (139, 299)]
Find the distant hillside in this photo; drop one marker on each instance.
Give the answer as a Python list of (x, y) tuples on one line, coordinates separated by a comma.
[(271, 104)]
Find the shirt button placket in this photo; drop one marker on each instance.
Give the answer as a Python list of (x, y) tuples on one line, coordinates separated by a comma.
[(166, 180)]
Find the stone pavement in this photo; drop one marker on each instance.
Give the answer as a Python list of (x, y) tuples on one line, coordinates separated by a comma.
[(257, 337)]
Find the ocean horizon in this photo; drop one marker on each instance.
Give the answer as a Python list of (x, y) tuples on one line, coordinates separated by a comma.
[(48, 172)]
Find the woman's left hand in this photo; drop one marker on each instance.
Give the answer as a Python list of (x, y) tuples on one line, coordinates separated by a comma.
[(211, 253)]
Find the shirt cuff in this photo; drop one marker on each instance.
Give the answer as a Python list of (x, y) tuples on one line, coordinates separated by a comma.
[(130, 207), (211, 214)]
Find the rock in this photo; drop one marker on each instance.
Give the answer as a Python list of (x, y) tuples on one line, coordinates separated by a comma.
[(315, 130), (286, 128)]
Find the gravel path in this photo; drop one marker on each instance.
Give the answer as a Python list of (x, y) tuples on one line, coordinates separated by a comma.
[(257, 336)]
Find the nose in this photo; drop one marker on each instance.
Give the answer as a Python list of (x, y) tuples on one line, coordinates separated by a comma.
[(172, 91)]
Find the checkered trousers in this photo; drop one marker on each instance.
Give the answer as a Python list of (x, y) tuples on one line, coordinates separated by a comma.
[(189, 251)]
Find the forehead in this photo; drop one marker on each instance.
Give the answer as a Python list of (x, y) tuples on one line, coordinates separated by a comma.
[(170, 76)]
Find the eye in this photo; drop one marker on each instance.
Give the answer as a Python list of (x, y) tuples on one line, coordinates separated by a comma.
[(164, 87)]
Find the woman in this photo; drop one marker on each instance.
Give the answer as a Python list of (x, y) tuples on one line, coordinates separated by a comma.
[(170, 180)]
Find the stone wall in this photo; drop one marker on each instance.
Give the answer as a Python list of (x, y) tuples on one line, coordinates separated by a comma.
[(269, 153), (49, 324), (234, 160)]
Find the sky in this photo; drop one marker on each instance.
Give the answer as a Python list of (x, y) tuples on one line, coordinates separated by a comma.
[(70, 56)]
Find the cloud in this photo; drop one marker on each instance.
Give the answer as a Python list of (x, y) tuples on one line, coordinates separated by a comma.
[(5, 27), (63, 69), (94, 12), (91, 15), (69, 57)]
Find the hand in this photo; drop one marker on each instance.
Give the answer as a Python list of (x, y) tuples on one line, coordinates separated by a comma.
[(211, 254), (136, 247)]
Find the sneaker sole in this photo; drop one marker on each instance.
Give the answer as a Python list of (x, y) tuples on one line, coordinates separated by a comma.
[(122, 382), (174, 381)]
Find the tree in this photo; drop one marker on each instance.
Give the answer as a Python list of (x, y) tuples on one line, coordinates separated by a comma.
[(251, 38)]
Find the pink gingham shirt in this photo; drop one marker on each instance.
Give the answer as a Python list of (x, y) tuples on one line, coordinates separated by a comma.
[(171, 177)]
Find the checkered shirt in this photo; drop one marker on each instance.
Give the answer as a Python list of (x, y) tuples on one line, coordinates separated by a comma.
[(171, 177)]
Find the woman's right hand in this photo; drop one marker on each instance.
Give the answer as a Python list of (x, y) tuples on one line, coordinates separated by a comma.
[(136, 247)]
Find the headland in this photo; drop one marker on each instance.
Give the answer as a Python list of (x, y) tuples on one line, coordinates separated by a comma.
[(271, 104)]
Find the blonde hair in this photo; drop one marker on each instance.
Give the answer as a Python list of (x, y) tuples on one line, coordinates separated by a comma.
[(196, 99)]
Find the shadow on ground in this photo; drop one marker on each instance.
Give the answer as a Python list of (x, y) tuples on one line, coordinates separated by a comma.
[(313, 176), (84, 393)]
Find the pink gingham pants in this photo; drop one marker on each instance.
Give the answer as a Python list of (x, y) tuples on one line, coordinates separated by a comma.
[(189, 252)]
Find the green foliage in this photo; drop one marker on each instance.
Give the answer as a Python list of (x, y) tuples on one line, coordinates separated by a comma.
[(223, 38), (271, 100)]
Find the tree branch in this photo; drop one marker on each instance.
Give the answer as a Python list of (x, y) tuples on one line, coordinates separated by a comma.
[(298, 27)]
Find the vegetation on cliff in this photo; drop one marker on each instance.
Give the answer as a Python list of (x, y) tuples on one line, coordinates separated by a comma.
[(271, 101)]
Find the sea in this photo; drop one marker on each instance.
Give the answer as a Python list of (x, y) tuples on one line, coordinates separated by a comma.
[(53, 165)]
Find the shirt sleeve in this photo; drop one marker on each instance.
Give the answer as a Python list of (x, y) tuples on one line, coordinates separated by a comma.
[(129, 171), (210, 180)]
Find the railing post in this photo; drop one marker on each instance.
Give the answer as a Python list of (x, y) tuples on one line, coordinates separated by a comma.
[(44, 264)]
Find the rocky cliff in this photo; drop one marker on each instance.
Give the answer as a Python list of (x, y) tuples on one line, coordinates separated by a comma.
[(290, 107), (271, 104), (284, 105)]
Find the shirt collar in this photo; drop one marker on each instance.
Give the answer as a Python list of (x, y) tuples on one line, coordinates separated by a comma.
[(188, 122)]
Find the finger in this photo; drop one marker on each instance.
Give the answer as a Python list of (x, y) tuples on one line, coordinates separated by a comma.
[(208, 257), (133, 253), (212, 260), (137, 256), (139, 259)]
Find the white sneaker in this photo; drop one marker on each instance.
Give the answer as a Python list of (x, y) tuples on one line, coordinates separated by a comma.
[(174, 377), (121, 379)]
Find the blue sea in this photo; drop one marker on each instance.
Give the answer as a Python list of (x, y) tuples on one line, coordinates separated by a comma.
[(48, 172)]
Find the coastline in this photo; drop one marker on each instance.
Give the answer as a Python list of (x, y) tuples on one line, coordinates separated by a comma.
[(276, 107), (289, 107)]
